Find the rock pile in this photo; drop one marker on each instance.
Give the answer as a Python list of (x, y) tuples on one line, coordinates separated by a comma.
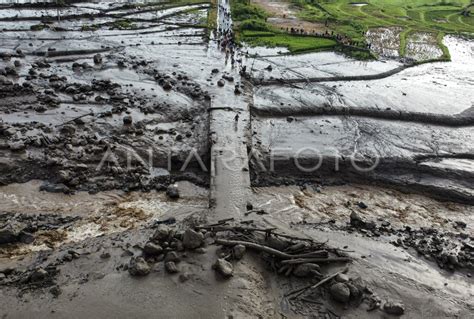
[(448, 249), (166, 245)]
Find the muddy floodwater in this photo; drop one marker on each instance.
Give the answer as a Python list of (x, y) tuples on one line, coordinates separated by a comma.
[(119, 119)]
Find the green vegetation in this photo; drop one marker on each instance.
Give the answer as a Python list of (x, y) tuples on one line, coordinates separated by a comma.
[(122, 24), (212, 16), (39, 27), (294, 43), (252, 28), (90, 27), (353, 18)]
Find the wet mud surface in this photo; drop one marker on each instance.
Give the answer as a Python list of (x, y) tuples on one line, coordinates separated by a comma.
[(76, 105), (119, 119)]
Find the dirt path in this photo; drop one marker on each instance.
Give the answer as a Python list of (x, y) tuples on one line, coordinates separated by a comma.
[(230, 122)]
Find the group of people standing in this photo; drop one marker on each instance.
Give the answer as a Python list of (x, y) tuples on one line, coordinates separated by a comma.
[(226, 42)]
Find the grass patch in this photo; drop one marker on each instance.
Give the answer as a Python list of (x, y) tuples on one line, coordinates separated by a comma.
[(212, 16), (294, 43), (403, 41), (253, 29), (39, 27), (90, 27), (433, 16), (122, 24)]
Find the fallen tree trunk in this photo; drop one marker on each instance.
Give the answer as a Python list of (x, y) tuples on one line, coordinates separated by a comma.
[(270, 250)]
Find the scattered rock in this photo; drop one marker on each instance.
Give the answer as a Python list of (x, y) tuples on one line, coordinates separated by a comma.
[(105, 255), (342, 278), (239, 251), (307, 270), (127, 120), (97, 58), (340, 292), (460, 224), (192, 239), (152, 249), (362, 205), (10, 233), (17, 146), (228, 78), (39, 275), (55, 291), (224, 268), (161, 233), (184, 277), (26, 238), (171, 267), (221, 83), (356, 292), (172, 192), (138, 267), (167, 86), (394, 308), (172, 256)]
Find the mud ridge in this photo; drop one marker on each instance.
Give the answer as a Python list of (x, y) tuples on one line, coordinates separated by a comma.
[(404, 175), (369, 77), (456, 120)]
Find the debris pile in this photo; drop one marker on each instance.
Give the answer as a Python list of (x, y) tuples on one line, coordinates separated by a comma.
[(19, 228), (450, 250)]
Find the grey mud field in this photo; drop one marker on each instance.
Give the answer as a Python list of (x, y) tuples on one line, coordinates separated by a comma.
[(141, 173)]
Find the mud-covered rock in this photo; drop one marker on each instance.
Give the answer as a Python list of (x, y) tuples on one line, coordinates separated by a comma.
[(356, 292), (394, 308), (224, 268), (127, 120), (172, 192), (239, 251), (39, 275), (172, 256), (10, 233), (55, 291), (342, 278), (16, 146), (138, 267), (167, 86), (162, 232), (340, 292), (97, 58), (152, 249), (307, 270), (192, 239), (171, 267)]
